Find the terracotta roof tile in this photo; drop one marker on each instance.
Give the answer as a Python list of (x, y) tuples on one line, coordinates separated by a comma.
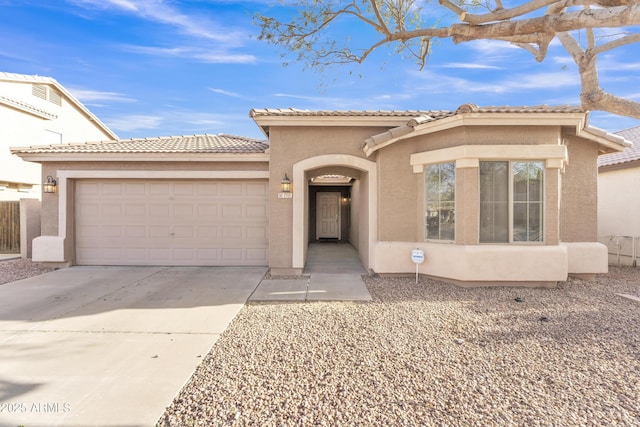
[(419, 115), (218, 144), (293, 112), (27, 107), (629, 154)]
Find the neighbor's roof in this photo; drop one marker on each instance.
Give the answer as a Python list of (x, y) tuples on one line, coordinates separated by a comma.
[(628, 155), (217, 144), (24, 78)]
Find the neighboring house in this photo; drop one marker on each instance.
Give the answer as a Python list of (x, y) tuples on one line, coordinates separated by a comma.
[(619, 201), (37, 110), (495, 195)]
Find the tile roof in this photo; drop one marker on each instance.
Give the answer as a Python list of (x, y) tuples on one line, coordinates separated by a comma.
[(218, 144), (294, 112), (629, 154), (27, 107), (416, 114)]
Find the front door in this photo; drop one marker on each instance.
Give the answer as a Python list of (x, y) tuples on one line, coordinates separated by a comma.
[(328, 216)]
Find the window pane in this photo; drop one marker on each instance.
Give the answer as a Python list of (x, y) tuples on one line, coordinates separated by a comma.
[(494, 196), (447, 221), (528, 180), (520, 222), (535, 222), (440, 201)]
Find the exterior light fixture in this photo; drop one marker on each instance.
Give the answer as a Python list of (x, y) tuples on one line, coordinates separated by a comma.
[(50, 185), (286, 184)]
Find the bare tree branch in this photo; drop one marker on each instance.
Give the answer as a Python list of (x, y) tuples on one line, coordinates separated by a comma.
[(527, 25), (634, 38)]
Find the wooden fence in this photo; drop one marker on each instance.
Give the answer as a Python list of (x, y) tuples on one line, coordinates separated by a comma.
[(10, 227)]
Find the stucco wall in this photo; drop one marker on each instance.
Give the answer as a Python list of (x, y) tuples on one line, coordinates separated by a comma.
[(290, 145), (579, 200), (402, 191), (617, 206)]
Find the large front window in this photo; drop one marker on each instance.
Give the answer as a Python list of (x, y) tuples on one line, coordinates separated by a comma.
[(440, 201), (511, 201)]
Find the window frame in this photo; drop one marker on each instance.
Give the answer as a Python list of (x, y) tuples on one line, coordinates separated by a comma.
[(511, 203), (426, 203)]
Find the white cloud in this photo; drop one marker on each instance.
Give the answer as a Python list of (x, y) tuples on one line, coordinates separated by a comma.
[(611, 63), (198, 54), (469, 65), (226, 92), (134, 122), (439, 83), (164, 12), (225, 58), (491, 47), (90, 95)]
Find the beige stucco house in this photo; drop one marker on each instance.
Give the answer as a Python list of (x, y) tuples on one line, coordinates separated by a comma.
[(618, 201), (38, 110), (491, 195)]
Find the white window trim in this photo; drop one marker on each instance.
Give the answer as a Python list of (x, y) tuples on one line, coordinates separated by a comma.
[(510, 205), (468, 156), (424, 210)]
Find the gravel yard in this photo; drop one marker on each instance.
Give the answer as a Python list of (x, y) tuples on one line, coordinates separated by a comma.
[(16, 269), (428, 354)]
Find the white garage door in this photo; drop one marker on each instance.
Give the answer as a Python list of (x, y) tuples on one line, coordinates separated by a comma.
[(158, 222)]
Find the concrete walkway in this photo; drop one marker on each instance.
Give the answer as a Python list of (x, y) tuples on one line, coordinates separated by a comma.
[(110, 346), (334, 273)]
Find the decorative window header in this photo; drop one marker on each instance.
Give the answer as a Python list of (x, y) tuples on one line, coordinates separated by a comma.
[(469, 156)]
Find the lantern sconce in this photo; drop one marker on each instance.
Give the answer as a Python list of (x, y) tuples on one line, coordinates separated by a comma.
[(286, 184), (285, 188), (50, 185)]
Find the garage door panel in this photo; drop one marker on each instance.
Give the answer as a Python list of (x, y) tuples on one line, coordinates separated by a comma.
[(182, 211), (136, 222), (111, 189), (159, 209), (208, 232), (111, 209), (232, 210), (232, 189), (208, 210), (134, 189), (258, 255)]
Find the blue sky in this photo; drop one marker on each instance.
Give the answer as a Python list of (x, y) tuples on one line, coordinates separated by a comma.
[(170, 67)]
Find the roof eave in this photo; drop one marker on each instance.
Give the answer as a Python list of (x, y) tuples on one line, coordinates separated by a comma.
[(92, 117), (142, 157), (268, 120), (384, 139), (607, 141)]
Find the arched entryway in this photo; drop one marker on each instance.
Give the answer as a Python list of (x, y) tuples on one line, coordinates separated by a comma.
[(363, 202)]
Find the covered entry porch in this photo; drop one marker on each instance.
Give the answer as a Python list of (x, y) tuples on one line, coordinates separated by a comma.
[(336, 202)]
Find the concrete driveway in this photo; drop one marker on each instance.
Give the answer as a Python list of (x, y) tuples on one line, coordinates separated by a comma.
[(110, 346)]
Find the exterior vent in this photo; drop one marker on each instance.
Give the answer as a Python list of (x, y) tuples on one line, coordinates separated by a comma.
[(46, 93), (40, 91), (55, 97)]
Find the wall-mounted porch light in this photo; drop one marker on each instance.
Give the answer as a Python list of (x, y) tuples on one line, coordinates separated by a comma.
[(286, 184), (50, 185)]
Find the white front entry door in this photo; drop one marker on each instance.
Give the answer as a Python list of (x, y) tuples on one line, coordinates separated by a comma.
[(328, 216)]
